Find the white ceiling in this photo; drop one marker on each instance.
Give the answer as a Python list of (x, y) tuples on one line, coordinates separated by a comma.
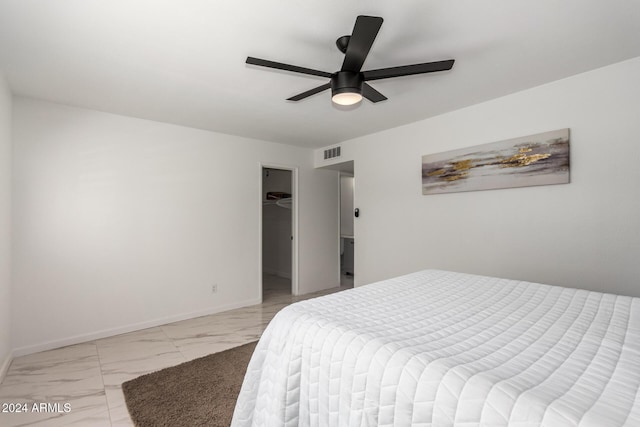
[(183, 61)]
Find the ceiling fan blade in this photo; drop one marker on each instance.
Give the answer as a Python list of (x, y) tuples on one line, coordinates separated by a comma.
[(364, 33), (408, 70), (308, 93), (286, 67), (371, 94)]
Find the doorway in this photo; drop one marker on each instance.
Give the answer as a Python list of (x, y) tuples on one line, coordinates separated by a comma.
[(278, 224), (346, 231), (347, 241)]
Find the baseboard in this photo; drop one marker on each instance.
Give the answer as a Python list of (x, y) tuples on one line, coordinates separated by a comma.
[(105, 333), (4, 368)]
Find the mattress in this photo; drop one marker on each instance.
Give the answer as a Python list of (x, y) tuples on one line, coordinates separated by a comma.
[(437, 348)]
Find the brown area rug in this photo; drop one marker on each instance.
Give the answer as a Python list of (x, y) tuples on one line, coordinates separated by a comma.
[(201, 392)]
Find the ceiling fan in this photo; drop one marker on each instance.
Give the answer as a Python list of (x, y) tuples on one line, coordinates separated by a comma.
[(349, 85)]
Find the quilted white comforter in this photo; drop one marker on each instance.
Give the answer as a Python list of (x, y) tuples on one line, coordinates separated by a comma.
[(437, 348)]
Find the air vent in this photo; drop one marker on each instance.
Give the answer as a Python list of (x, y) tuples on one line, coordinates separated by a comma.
[(331, 153)]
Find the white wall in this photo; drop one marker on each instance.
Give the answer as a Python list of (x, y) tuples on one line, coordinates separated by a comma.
[(121, 223), (585, 234), (5, 226)]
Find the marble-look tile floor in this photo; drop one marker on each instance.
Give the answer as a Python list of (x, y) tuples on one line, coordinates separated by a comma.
[(89, 376)]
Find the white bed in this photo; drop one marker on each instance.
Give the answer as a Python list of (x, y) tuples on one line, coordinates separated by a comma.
[(437, 348)]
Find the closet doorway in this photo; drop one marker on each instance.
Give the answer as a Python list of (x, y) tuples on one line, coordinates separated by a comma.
[(278, 232), (347, 241)]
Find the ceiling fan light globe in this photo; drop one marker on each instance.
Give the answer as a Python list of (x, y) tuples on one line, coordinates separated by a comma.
[(346, 98)]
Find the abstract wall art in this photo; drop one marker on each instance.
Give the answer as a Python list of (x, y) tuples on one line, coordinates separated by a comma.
[(541, 159)]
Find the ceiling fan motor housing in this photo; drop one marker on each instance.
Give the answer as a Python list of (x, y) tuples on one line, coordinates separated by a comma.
[(346, 82), (342, 43)]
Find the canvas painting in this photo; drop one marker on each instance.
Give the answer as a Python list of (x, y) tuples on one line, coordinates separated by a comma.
[(541, 159)]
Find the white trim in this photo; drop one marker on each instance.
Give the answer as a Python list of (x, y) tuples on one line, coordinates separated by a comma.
[(340, 236), (260, 204), (77, 339), (339, 227), (295, 290), (294, 225), (5, 366)]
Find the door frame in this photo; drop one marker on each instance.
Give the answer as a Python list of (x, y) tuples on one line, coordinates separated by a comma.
[(346, 168), (294, 224), (348, 174)]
